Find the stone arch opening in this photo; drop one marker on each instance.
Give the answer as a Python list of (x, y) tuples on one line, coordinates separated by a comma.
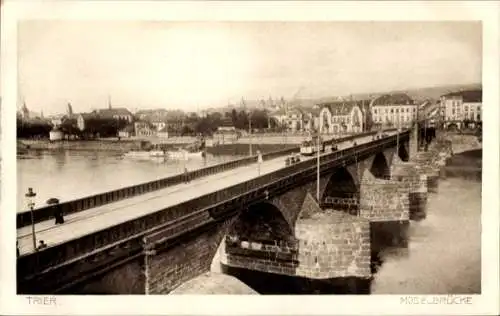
[(260, 240), (403, 153), (380, 168), (262, 222), (341, 192)]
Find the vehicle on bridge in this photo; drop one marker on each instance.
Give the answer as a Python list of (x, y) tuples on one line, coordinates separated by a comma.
[(312, 145), (290, 160)]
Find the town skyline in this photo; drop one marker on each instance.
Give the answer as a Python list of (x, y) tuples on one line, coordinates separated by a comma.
[(193, 66)]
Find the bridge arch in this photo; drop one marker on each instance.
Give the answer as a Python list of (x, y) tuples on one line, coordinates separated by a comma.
[(380, 167), (341, 191), (403, 153), (262, 222)]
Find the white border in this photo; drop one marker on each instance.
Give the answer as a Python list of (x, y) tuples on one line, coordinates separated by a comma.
[(487, 12)]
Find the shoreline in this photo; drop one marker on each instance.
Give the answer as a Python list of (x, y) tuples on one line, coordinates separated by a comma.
[(123, 146)]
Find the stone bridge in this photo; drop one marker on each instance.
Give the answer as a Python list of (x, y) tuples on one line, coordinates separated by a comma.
[(269, 223)]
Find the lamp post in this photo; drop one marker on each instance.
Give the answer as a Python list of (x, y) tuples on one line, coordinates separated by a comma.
[(397, 134), (250, 130), (259, 161), (29, 197)]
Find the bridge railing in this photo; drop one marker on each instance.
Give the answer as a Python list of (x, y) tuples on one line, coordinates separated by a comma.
[(174, 218), (81, 204)]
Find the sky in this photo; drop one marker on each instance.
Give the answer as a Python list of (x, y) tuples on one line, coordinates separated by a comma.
[(194, 65)]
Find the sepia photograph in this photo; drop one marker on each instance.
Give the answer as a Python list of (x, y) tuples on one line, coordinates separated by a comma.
[(167, 157)]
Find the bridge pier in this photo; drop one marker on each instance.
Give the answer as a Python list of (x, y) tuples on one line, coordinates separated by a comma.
[(385, 203), (406, 174), (330, 253)]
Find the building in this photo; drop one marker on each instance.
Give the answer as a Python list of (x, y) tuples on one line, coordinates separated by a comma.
[(116, 113), (279, 116), (127, 131), (93, 124), (310, 119), (57, 120), (462, 107), (56, 134), (163, 132), (294, 120), (144, 128), (339, 117), (159, 124), (394, 110)]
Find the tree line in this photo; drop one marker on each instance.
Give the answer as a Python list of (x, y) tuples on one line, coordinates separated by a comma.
[(189, 124)]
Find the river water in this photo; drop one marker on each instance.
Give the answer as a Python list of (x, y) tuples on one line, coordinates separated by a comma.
[(444, 253), (68, 175)]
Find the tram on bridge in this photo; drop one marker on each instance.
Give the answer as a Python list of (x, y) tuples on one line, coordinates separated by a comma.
[(312, 145)]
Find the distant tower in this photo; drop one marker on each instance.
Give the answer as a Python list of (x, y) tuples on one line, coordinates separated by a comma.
[(109, 102), (25, 113), (41, 114), (262, 104), (242, 103), (283, 104), (70, 110), (270, 102)]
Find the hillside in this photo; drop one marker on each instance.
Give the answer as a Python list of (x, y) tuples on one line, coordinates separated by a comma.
[(419, 94)]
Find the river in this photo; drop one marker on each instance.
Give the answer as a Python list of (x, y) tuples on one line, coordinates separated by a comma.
[(444, 253), (68, 175)]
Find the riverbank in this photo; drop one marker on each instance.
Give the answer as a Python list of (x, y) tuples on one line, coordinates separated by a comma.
[(123, 146), (79, 145)]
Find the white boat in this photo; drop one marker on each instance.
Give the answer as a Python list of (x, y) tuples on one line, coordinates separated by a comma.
[(158, 151), (184, 154), (145, 154)]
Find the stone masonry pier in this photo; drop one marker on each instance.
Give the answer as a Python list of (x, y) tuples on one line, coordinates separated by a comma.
[(331, 253)]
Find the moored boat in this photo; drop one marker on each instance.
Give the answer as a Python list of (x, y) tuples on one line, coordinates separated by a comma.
[(148, 150)]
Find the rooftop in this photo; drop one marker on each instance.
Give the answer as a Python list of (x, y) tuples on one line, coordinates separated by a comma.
[(114, 111), (340, 107), (393, 99)]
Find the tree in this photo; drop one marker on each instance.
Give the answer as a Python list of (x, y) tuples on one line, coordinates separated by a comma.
[(234, 118), (186, 130), (33, 129)]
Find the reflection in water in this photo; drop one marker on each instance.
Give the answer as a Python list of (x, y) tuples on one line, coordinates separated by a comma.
[(68, 175)]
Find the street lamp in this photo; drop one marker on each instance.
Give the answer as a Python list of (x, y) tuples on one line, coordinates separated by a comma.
[(259, 160), (250, 130), (31, 204)]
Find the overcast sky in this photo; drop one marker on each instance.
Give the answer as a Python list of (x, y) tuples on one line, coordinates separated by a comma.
[(195, 65)]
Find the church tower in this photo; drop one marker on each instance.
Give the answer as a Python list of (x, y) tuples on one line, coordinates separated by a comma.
[(70, 110)]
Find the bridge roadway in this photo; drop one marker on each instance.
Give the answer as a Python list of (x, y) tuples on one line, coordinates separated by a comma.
[(95, 219)]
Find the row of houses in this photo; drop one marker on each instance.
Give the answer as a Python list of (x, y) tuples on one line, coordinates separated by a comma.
[(348, 115), (462, 107), (388, 110), (336, 116)]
